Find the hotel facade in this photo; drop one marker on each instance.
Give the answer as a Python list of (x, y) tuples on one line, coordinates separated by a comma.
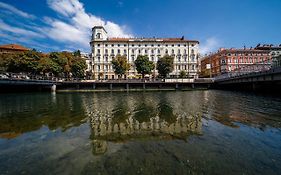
[(105, 49)]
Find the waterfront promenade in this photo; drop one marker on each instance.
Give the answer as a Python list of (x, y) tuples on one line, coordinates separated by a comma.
[(109, 85)]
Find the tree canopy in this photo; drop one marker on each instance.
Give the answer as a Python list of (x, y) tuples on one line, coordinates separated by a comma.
[(165, 65), (183, 74), (120, 65), (143, 65), (60, 64)]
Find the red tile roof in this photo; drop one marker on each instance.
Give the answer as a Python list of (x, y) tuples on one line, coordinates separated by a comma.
[(150, 40), (14, 47)]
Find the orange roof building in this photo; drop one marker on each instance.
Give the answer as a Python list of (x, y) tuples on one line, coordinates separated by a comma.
[(12, 48), (232, 60)]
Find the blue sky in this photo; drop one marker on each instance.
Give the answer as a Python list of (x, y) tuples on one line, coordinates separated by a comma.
[(53, 25)]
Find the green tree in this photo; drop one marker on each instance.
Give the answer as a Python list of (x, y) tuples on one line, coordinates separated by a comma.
[(143, 65), (165, 65), (47, 65), (78, 67), (21, 62), (182, 74), (120, 65), (64, 60), (77, 53)]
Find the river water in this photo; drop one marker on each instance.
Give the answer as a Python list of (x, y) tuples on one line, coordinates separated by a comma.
[(172, 132)]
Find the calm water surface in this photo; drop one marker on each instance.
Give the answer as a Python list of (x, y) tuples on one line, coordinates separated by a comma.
[(191, 132)]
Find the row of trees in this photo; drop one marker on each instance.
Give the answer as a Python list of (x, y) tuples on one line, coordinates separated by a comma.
[(144, 66), (59, 64)]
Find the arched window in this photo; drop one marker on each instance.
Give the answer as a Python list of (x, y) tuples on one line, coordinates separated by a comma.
[(179, 51), (98, 35), (158, 51), (166, 51), (112, 50), (192, 51), (184, 51), (173, 51)]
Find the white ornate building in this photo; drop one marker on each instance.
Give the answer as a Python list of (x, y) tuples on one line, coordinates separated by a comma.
[(104, 49)]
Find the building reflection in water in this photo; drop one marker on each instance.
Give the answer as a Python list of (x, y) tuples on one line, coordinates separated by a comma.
[(143, 118)]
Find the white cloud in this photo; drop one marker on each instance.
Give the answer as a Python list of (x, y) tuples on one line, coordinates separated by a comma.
[(210, 45), (71, 27), (15, 10), (26, 40), (18, 31), (64, 32), (77, 27)]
